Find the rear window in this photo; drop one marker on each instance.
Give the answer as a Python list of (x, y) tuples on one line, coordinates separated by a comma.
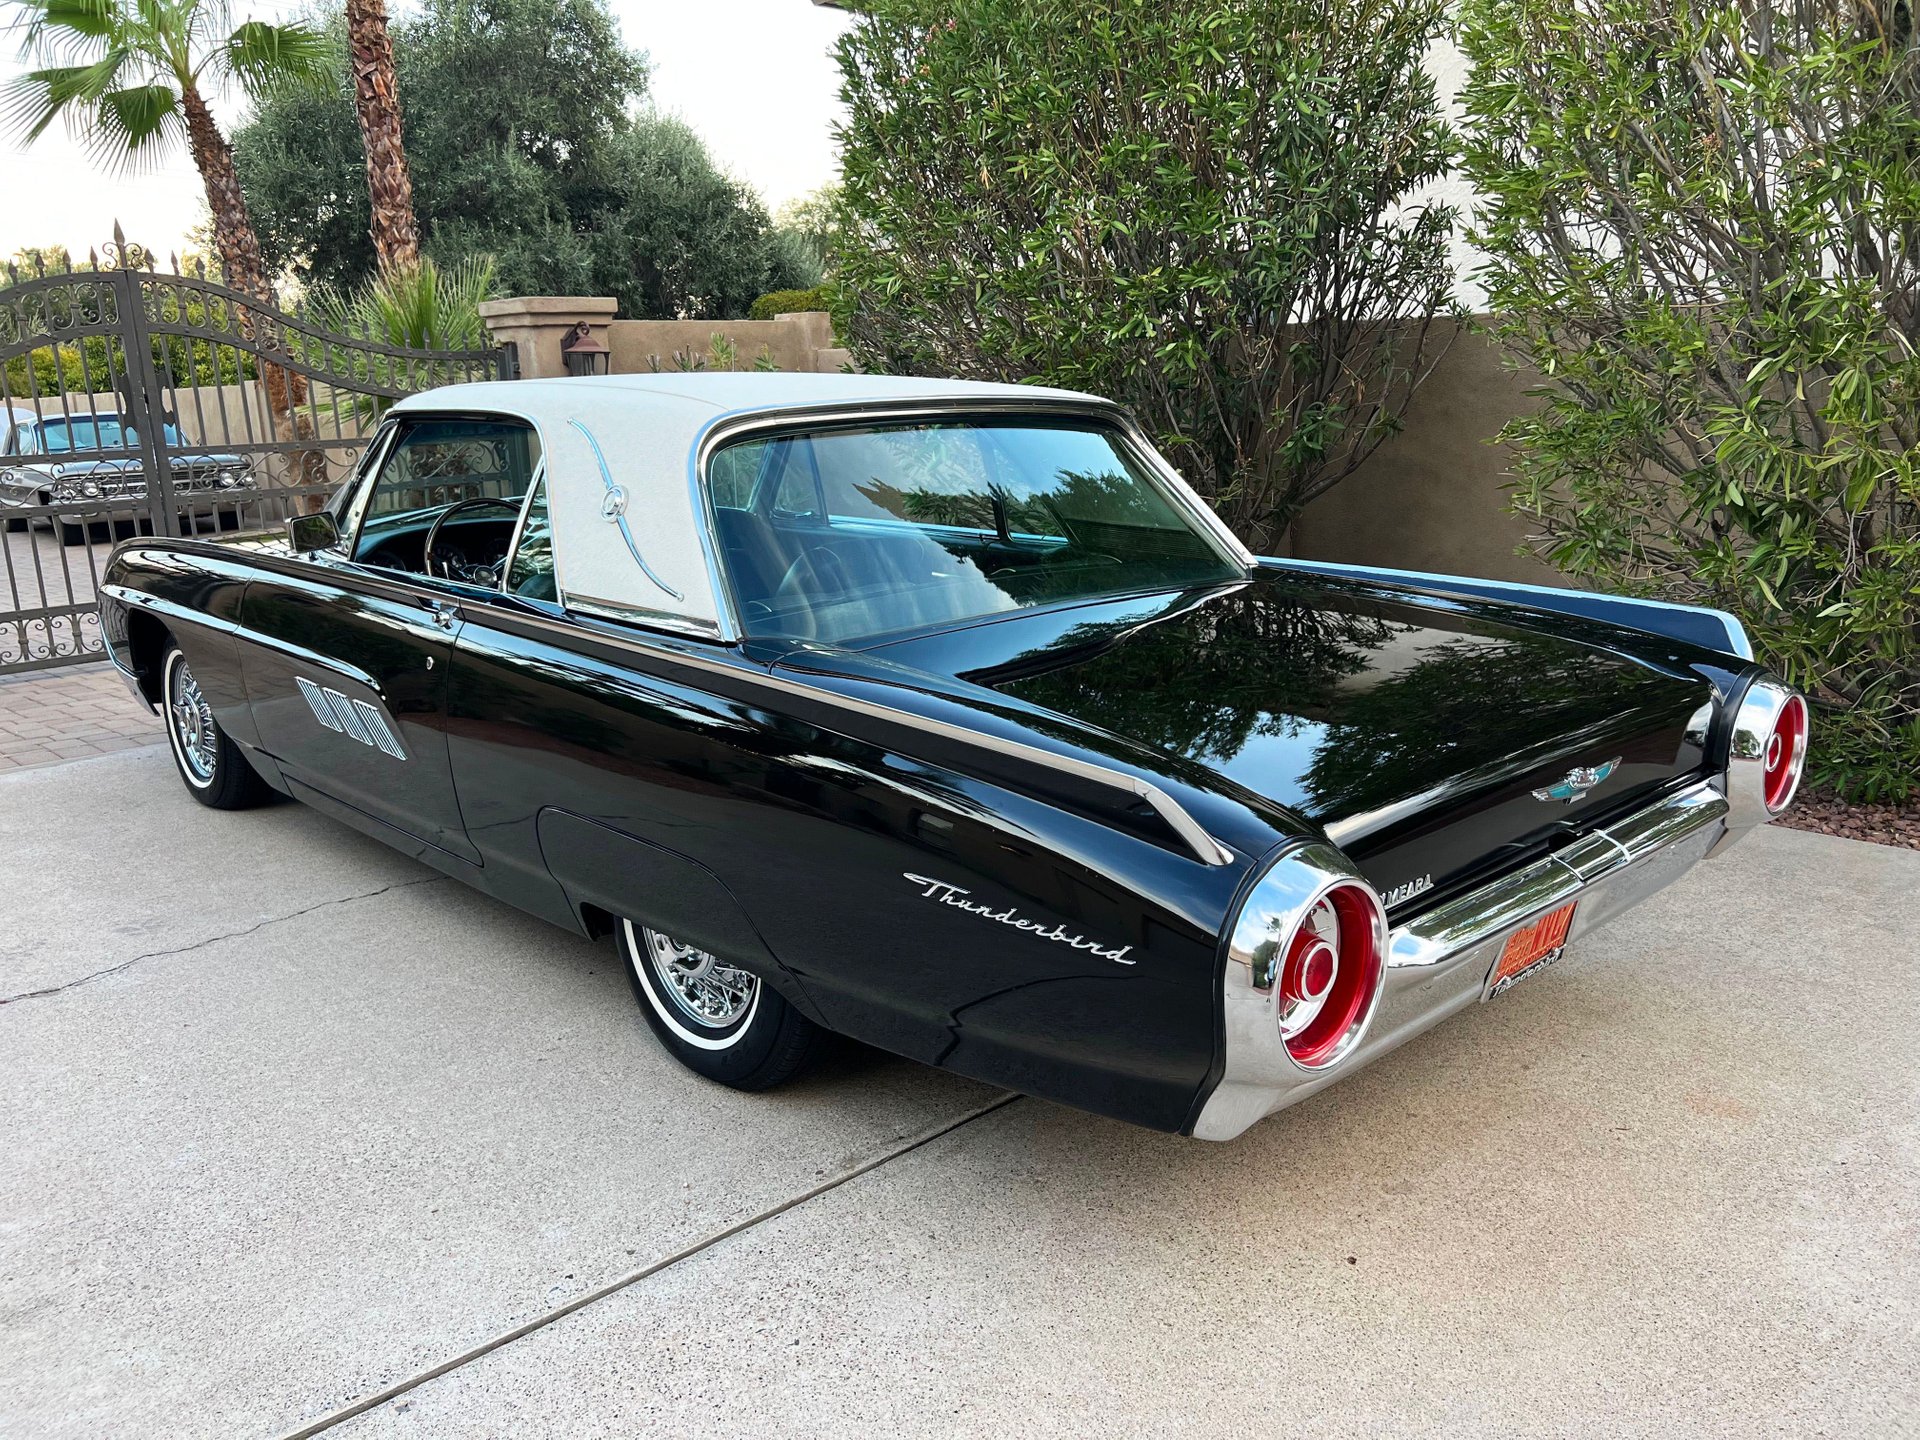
[(848, 533)]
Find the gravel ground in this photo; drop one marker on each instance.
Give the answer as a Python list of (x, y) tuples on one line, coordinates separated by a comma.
[(1826, 814)]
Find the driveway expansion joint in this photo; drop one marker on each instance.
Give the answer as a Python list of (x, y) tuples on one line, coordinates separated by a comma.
[(52, 990), (905, 1146)]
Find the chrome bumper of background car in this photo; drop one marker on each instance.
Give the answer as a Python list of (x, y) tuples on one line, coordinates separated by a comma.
[(1439, 963)]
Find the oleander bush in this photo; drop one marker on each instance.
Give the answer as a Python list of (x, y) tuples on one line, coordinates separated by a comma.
[(1210, 210), (1702, 224)]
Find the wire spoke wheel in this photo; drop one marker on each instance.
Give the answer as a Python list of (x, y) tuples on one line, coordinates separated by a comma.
[(191, 718), (707, 990)]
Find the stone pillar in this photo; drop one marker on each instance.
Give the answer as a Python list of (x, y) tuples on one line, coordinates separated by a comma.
[(537, 324)]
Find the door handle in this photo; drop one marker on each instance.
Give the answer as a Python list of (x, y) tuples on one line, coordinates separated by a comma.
[(445, 613)]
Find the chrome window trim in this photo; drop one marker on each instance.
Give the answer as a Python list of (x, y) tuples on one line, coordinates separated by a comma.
[(520, 528), (1438, 962), (733, 426), (392, 429), (362, 483)]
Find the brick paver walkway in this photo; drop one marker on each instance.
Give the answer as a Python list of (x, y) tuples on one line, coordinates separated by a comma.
[(51, 715)]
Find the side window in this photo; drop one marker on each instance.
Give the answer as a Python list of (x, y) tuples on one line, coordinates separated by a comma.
[(435, 464), (732, 473), (12, 445), (531, 573)]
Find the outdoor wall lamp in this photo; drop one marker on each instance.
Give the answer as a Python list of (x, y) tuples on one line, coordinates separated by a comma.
[(584, 354)]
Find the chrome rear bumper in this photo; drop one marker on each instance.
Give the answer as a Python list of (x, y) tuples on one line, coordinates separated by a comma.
[(1439, 962)]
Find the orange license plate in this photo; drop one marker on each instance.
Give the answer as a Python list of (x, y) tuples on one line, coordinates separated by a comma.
[(1531, 948)]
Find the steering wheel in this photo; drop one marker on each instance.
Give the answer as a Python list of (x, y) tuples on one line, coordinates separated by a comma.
[(433, 531)]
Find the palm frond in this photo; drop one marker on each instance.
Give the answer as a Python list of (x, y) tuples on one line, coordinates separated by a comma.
[(263, 58), (39, 97), (135, 126), (422, 308), (60, 23)]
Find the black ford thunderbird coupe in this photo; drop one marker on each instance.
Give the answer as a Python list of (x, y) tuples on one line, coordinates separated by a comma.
[(946, 717)]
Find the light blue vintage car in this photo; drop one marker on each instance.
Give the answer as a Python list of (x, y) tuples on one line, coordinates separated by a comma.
[(90, 460)]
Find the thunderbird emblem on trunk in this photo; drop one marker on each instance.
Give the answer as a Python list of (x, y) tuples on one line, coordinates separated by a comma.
[(1579, 781)]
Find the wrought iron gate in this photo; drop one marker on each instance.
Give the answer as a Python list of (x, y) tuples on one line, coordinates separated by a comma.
[(135, 402)]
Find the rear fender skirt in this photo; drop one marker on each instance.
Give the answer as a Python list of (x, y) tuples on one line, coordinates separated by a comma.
[(1692, 624)]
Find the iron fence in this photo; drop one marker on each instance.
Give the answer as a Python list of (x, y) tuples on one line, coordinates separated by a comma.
[(134, 401)]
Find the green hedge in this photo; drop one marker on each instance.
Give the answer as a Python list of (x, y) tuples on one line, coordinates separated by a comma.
[(790, 302)]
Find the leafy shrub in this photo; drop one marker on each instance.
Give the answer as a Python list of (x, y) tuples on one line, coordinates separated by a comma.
[(424, 307), (1701, 222), (1198, 207), (791, 302)]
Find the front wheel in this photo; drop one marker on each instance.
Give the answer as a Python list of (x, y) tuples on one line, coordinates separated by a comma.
[(716, 1019), (215, 772)]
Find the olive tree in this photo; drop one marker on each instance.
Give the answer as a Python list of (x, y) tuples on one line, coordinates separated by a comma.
[(1207, 209), (1702, 226)]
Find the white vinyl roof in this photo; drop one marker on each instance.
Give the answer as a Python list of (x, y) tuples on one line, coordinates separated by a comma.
[(623, 485)]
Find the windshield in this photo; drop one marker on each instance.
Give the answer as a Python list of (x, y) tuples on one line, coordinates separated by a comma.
[(95, 432), (844, 534)]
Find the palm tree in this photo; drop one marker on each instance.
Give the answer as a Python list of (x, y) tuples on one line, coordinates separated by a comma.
[(396, 233), (132, 77)]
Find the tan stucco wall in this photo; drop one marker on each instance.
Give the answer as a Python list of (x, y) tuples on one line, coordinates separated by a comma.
[(1432, 497), (799, 343)]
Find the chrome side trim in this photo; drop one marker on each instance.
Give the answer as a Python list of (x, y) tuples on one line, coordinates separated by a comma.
[(1695, 624), (1438, 963), (355, 719), (1205, 848), (349, 717)]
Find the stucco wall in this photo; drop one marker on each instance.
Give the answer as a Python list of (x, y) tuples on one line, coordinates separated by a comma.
[(800, 343), (1432, 497)]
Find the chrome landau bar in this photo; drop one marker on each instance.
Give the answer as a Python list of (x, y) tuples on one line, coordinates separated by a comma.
[(1439, 962)]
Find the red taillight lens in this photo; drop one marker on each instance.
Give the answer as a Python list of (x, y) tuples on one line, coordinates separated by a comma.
[(1786, 754), (1331, 976)]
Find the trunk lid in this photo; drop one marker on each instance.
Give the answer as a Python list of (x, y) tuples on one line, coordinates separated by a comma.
[(1436, 741)]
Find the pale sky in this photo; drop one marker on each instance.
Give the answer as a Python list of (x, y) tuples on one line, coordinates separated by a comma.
[(754, 77)]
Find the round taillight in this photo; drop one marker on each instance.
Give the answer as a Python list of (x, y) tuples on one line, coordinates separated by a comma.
[(1785, 755), (1331, 977)]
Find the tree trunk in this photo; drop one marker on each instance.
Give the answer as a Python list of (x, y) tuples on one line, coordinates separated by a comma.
[(396, 233), (239, 247)]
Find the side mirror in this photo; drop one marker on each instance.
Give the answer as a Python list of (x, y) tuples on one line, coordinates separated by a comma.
[(307, 533)]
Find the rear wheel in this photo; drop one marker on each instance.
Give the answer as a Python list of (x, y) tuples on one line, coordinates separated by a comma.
[(211, 765), (717, 1019)]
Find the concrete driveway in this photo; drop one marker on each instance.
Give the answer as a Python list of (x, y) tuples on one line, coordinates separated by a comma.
[(299, 1137)]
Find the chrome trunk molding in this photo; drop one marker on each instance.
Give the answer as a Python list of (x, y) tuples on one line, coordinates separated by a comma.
[(1438, 963)]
